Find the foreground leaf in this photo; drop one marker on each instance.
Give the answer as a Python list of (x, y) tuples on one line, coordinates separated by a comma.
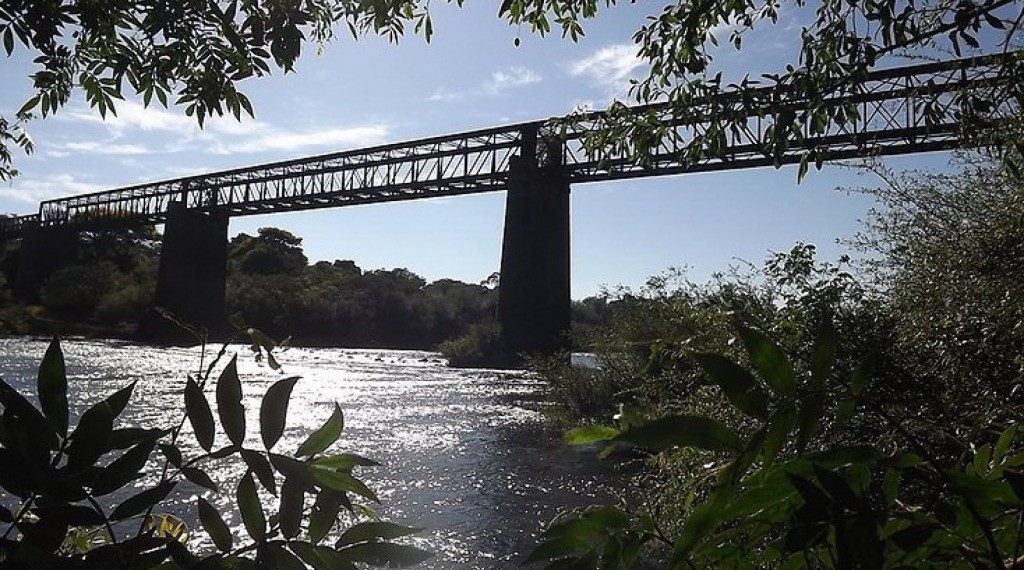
[(736, 383), (274, 409), (683, 431), (771, 363), (374, 530), (140, 502), (385, 554), (229, 403), (251, 509), (197, 408), (215, 526), (52, 387), (324, 436)]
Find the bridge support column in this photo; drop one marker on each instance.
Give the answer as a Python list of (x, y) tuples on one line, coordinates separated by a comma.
[(43, 251), (192, 275), (534, 300)]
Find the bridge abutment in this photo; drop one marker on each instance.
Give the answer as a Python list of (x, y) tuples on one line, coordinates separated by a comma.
[(44, 250), (191, 280), (534, 305)]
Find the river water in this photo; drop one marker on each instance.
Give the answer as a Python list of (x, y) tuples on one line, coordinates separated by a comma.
[(465, 454)]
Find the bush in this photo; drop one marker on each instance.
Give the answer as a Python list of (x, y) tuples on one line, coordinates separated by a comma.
[(65, 477), (780, 490), (481, 347)]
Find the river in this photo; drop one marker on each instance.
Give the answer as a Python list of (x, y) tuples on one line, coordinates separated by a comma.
[(465, 453)]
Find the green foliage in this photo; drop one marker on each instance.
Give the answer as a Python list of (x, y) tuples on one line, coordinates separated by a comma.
[(67, 485), (896, 447), (270, 287), (789, 494), (111, 280), (481, 347)]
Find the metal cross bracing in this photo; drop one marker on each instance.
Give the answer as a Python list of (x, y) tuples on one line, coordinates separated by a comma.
[(896, 111)]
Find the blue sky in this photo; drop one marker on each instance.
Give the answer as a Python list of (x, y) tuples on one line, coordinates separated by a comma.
[(470, 76)]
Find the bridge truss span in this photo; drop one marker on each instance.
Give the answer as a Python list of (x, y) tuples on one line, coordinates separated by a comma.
[(895, 111), (465, 163)]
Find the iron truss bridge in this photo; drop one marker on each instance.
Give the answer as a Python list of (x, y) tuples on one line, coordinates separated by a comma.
[(897, 111)]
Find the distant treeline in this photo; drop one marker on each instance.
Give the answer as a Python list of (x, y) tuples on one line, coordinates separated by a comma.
[(270, 286)]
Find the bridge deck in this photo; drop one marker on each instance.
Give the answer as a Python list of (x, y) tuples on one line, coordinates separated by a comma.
[(891, 119)]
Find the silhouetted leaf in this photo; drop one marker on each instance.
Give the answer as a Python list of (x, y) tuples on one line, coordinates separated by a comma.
[(229, 403), (215, 526), (197, 408), (343, 481), (769, 360), (123, 438), (344, 461), (32, 423), (141, 501), (826, 341), (90, 439), (321, 557), (702, 521), (324, 436), (250, 508), (386, 554), (292, 468), (1016, 481), (52, 387), (810, 413), (122, 470), (374, 530), (279, 558), (325, 514), (118, 400), (912, 537), (274, 409), (73, 515), (683, 431), (736, 383), (199, 477), (290, 513), (777, 435), (260, 467), (172, 453)]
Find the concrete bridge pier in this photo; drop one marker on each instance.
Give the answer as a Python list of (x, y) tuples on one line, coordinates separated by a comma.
[(534, 302), (44, 250), (192, 276)]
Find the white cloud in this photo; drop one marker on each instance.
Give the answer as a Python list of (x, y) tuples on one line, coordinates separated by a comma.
[(612, 66), (171, 131), (445, 96), (505, 79), (499, 83), (273, 139), (132, 115), (100, 147), (34, 191)]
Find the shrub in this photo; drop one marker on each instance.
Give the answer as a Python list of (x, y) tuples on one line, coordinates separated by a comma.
[(481, 347), (66, 477), (779, 491)]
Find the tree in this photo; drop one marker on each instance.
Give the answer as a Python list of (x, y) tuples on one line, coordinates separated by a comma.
[(194, 55)]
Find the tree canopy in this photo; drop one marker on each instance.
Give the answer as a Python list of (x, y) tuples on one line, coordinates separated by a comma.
[(194, 55)]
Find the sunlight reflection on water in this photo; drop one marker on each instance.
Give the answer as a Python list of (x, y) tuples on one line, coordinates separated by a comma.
[(465, 453)]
